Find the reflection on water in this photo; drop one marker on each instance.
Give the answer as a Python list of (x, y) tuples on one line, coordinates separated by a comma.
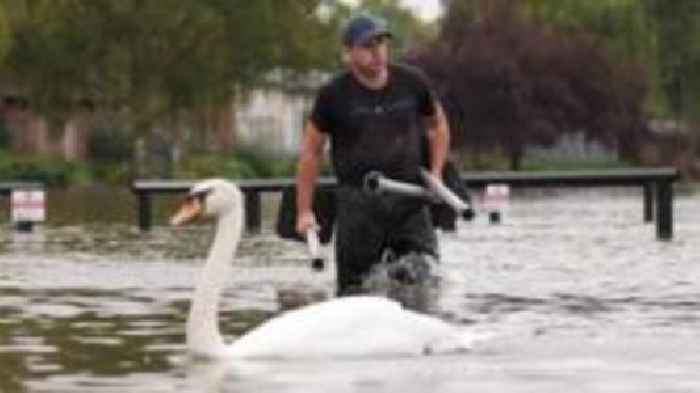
[(572, 288)]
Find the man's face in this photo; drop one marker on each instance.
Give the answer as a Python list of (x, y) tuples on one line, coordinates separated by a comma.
[(370, 58)]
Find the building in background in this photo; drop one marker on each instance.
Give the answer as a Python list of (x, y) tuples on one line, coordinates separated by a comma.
[(270, 116), (273, 115), (30, 133), (272, 120)]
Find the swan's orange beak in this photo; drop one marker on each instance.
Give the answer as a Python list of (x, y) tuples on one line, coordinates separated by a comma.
[(188, 211)]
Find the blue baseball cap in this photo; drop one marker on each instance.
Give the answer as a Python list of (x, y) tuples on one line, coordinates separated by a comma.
[(362, 28)]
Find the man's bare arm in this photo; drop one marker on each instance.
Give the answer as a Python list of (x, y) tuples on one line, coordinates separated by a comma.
[(310, 155), (439, 140)]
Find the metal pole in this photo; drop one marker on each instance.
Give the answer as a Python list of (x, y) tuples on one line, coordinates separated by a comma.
[(314, 248), (377, 183), (446, 195), (252, 211), (664, 210), (144, 211), (649, 189)]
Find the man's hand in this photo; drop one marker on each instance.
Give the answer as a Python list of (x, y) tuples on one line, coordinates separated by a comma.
[(305, 221), (436, 173)]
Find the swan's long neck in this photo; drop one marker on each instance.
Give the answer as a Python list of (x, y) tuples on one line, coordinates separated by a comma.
[(203, 335)]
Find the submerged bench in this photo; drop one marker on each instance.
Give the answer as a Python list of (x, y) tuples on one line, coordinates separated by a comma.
[(251, 188), (656, 184)]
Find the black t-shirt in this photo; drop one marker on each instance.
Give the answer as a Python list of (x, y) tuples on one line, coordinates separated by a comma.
[(381, 130)]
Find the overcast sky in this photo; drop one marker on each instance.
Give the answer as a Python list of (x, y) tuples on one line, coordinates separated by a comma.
[(427, 9)]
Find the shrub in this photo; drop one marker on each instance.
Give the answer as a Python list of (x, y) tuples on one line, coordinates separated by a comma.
[(243, 162), (5, 136), (51, 172), (109, 145), (213, 166), (508, 82)]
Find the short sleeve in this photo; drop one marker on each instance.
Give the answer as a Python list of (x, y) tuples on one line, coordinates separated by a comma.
[(426, 95), (321, 114)]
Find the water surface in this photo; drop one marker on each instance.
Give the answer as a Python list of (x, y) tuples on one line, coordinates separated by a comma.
[(572, 288)]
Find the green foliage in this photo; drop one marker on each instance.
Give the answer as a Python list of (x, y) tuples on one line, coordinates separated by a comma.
[(563, 165), (5, 32), (244, 162), (117, 173), (5, 135), (495, 160), (151, 59), (676, 25), (265, 163), (109, 145), (510, 83), (51, 172), (662, 34), (409, 31), (214, 166), (155, 63)]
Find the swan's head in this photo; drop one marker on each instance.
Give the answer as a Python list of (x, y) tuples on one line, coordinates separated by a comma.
[(211, 197)]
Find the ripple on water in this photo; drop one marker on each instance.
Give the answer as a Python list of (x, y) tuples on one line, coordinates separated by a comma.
[(52, 311), (99, 341), (26, 348), (573, 285)]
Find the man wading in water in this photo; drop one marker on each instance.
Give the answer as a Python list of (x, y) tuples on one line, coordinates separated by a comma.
[(378, 117)]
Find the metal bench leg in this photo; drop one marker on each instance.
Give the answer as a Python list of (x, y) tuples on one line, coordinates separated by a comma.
[(144, 211), (649, 189), (664, 209), (252, 212)]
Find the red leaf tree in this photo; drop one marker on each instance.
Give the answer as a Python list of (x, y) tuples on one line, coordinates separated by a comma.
[(507, 83)]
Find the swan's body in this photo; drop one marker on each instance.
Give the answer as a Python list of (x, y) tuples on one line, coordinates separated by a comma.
[(347, 327), (350, 326)]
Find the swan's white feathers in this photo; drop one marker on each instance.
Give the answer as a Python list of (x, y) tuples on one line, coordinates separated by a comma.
[(208, 185), (221, 195), (343, 327)]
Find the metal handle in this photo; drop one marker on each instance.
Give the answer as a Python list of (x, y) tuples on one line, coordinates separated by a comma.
[(377, 183), (446, 195), (314, 248), (437, 191)]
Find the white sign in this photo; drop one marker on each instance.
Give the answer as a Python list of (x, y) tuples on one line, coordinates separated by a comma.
[(28, 206), (496, 197)]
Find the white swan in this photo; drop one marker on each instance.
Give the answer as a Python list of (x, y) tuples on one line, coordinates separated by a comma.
[(342, 327)]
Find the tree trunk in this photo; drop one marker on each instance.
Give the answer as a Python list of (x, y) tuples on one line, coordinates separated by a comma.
[(75, 137), (141, 131), (225, 125), (220, 125)]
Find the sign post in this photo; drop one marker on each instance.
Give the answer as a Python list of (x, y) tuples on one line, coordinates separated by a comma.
[(496, 199), (28, 208)]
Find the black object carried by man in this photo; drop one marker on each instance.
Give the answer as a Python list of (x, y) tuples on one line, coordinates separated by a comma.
[(443, 216)]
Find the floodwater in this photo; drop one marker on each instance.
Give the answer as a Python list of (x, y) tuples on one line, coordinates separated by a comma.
[(572, 289)]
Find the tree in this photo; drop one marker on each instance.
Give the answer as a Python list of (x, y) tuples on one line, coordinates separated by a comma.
[(676, 27), (5, 33), (149, 64), (409, 31), (661, 34), (509, 83)]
